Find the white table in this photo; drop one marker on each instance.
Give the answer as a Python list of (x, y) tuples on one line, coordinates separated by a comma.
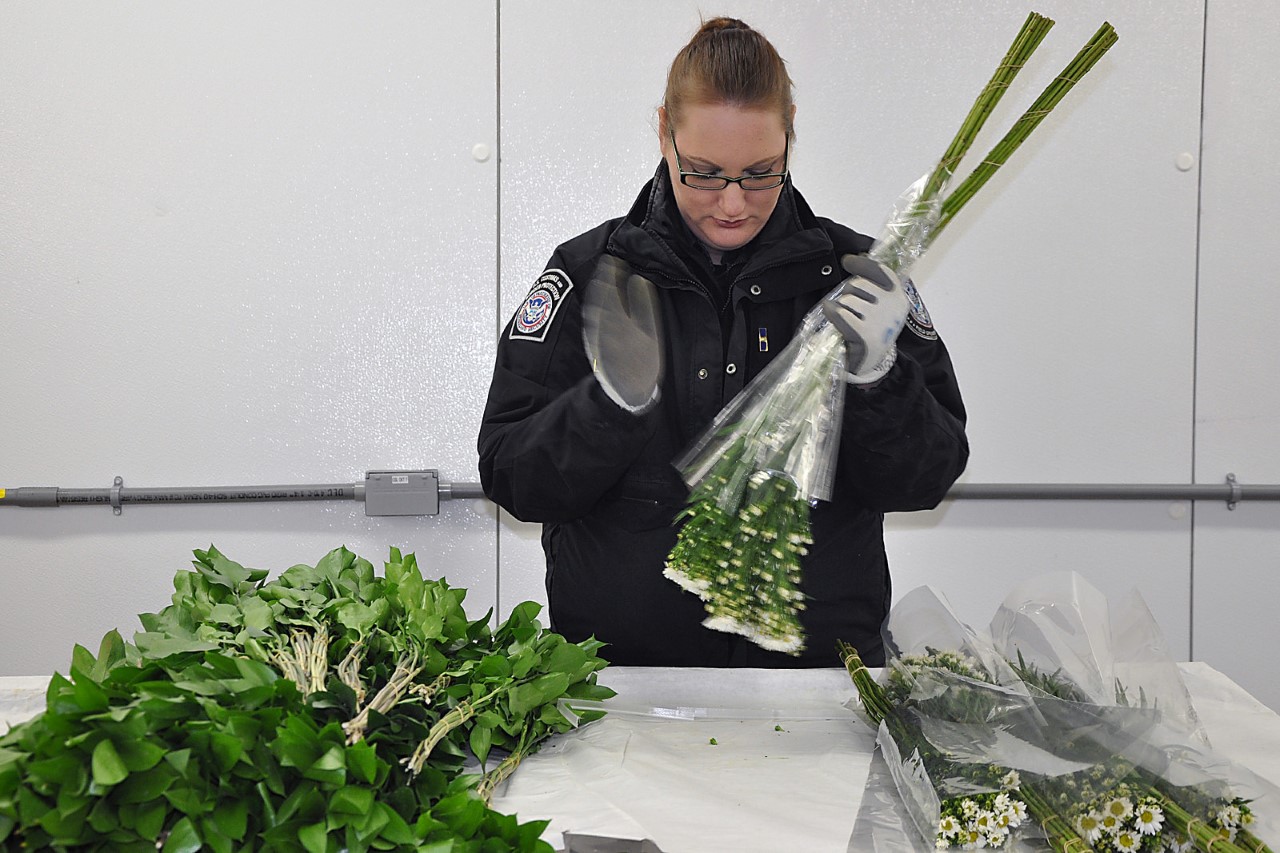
[(649, 770), (787, 770)]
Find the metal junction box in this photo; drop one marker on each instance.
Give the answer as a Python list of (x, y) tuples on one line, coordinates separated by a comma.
[(402, 493)]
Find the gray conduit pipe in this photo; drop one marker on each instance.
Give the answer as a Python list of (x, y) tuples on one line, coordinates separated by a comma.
[(1230, 491)]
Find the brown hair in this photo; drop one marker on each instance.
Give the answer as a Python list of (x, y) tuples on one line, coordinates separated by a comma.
[(727, 62)]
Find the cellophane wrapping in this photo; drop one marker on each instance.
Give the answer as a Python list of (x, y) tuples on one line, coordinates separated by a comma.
[(1070, 705)]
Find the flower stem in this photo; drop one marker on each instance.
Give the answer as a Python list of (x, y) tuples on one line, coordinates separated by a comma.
[(1062, 837), (1206, 838), (1094, 50), (406, 670)]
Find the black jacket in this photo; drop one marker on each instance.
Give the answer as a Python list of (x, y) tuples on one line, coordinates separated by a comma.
[(555, 449)]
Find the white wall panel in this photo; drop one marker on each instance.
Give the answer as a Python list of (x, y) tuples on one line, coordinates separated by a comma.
[(976, 551), (1237, 578), (240, 243)]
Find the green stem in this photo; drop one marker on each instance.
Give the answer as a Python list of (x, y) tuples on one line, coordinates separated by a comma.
[(1205, 837), (465, 710), (1062, 836), (1248, 841), (505, 768), (1094, 50), (1033, 31), (384, 700)]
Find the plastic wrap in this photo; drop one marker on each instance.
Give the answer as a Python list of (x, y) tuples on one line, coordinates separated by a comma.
[(769, 456), (1070, 706), (787, 419)]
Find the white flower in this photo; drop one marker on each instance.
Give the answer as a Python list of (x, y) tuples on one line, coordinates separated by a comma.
[(1148, 818), (1120, 807), (1089, 826), (1010, 780), (1110, 823), (1229, 816), (1127, 841), (1180, 845), (941, 843), (948, 826), (969, 809)]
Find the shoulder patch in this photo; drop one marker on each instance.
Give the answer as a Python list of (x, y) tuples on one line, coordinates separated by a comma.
[(918, 319), (534, 317)]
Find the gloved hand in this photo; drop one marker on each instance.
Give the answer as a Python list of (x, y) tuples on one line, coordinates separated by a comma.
[(869, 309), (622, 333)]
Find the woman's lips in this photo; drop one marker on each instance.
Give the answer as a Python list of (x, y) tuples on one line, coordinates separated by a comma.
[(736, 223)]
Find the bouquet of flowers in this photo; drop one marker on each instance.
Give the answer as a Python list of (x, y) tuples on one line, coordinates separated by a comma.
[(770, 453), (1068, 721)]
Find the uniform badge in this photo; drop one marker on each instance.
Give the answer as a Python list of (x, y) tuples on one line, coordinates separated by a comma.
[(533, 318), (918, 319)]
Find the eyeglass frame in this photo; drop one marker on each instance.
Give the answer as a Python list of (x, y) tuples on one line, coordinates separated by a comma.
[(781, 176)]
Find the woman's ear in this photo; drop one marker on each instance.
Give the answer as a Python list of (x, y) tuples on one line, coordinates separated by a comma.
[(663, 128)]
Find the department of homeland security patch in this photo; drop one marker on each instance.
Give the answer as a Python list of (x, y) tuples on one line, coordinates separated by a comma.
[(918, 319), (533, 318)]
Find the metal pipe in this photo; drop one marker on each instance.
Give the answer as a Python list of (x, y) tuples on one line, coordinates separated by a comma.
[(1231, 491), (1113, 492)]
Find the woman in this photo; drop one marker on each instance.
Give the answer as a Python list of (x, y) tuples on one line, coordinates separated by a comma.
[(639, 331)]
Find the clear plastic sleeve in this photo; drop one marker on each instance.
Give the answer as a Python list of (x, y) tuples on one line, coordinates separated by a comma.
[(1070, 706), (787, 420)]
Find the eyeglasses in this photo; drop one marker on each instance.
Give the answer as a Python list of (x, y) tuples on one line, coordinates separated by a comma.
[(699, 181)]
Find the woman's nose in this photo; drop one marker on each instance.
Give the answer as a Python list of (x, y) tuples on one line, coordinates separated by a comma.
[(733, 200)]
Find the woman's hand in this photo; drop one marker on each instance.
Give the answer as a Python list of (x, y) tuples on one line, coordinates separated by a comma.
[(622, 333), (869, 309)]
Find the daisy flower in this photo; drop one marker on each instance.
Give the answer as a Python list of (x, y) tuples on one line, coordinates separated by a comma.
[(1089, 826), (1148, 818), (1127, 841), (1120, 807)]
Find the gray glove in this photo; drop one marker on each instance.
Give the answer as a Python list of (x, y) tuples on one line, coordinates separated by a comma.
[(622, 333), (869, 308)]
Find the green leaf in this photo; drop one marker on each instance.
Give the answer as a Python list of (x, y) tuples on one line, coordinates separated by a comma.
[(567, 658), (256, 613), (357, 617), (362, 762), (183, 838), (145, 786), (232, 818), (351, 800), (315, 837), (396, 831), (65, 770), (149, 822), (108, 768), (140, 754), (524, 698), (82, 659), (481, 741), (156, 646), (223, 572)]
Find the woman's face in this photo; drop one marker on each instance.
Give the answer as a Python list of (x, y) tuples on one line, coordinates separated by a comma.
[(717, 139)]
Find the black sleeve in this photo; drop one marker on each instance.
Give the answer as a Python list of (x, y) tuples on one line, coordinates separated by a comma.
[(903, 442), (551, 441)]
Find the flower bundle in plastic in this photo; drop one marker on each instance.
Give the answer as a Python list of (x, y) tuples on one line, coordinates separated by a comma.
[(771, 453), (1070, 708)]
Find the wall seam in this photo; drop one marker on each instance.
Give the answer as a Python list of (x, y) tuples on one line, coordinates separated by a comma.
[(1195, 333), (497, 271)]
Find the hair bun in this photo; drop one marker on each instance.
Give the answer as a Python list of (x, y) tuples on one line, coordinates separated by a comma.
[(723, 23)]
